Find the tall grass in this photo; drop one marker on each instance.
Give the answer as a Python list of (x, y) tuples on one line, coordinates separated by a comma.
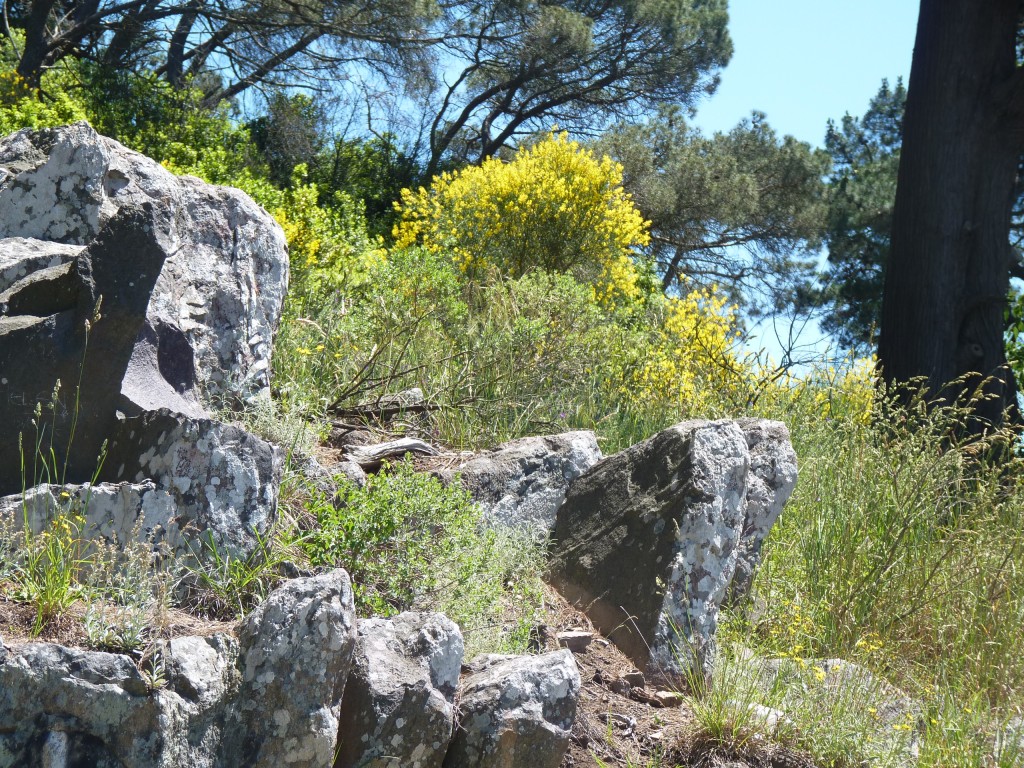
[(903, 549)]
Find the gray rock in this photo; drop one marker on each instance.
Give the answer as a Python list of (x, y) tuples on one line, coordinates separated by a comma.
[(218, 299), (114, 514), (197, 479), (221, 478), (198, 679), (75, 323), (19, 257), (296, 654), (522, 483), (325, 479), (646, 543), (398, 707), (62, 707), (350, 470), (771, 481), (516, 712), (762, 719), (161, 373), (267, 698)]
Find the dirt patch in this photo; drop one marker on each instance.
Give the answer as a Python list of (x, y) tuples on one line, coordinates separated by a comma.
[(620, 720), (624, 721), (17, 622)]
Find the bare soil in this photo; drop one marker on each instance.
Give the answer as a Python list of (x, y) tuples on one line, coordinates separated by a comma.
[(17, 622), (629, 726)]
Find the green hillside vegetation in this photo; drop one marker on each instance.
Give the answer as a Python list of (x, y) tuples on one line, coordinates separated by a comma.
[(516, 295)]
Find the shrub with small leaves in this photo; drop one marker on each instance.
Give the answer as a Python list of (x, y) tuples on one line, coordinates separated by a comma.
[(412, 543)]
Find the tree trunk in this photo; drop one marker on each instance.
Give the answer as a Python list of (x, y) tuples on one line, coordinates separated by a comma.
[(948, 273), (37, 45)]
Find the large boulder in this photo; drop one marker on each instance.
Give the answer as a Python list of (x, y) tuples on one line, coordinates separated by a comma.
[(648, 541), (296, 654), (69, 707), (521, 483), (75, 323), (217, 301), (516, 712), (399, 706), (770, 483)]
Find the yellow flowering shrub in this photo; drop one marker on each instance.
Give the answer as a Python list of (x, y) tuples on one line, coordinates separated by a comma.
[(690, 363), (843, 390), (554, 207), (329, 247)]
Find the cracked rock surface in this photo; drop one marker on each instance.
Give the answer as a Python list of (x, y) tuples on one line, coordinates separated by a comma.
[(399, 700), (215, 304), (516, 712), (648, 541)]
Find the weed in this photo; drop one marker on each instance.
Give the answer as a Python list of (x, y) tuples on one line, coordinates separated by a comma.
[(221, 586)]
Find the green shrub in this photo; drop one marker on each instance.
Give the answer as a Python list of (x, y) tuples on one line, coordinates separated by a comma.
[(411, 543), (61, 102)]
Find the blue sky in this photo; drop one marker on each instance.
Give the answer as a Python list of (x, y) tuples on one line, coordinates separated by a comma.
[(802, 62)]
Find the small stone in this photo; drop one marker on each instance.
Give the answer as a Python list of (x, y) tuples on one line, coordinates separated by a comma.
[(669, 698), (635, 678), (576, 641), (619, 686)]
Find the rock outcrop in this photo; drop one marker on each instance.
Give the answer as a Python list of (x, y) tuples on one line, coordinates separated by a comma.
[(153, 299), (268, 698), (399, 706), (216, 303), (75, 323), (149, 298), (648, 541), (516, 712), (295, 687)]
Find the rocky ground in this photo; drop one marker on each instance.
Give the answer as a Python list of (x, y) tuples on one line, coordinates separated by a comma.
[(661, 532), (625, 720), (622, 719)]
